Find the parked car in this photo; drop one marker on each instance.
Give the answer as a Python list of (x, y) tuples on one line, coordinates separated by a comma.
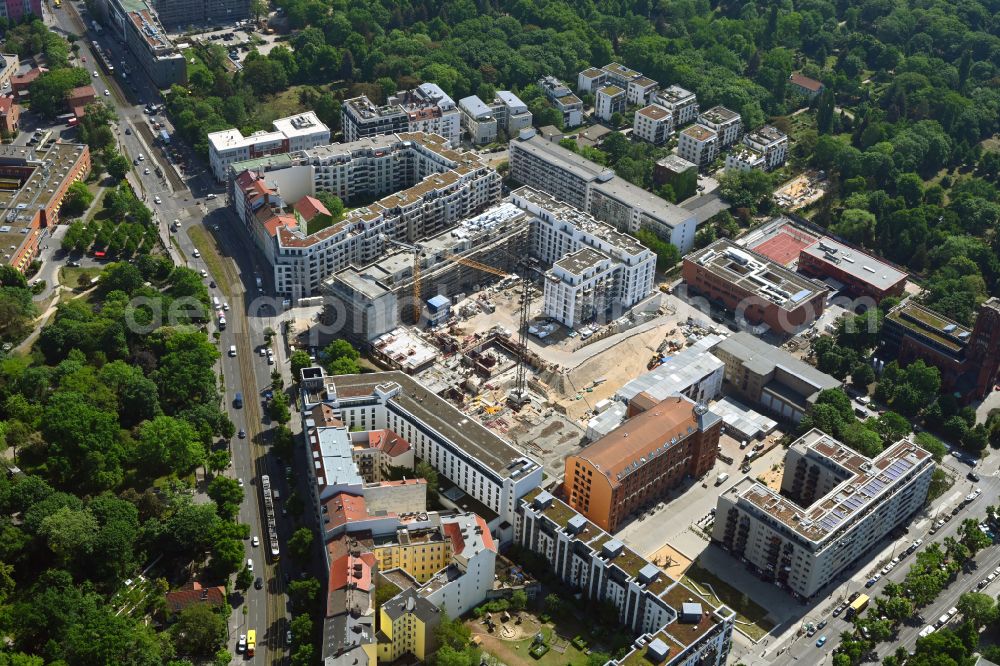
[(821, 641), (259, 583), (838, 610)]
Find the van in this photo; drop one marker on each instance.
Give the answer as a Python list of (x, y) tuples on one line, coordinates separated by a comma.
[(232, 350), (216, 302), (722, 478)]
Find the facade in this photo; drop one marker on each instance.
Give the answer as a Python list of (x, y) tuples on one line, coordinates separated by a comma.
[(754, 288), (643, 459), (770, 142), (290, 134), (744, 158), (174, 13), (15, 10), (563, 99), (589, 187), (429, 189), (638, 88), (698, 144), (481, 465), (770, 377), (135, 23), (683, 104), (594, 268), (724, 122), (674, 625), (478, 120), (10, 117), (671, 167), (969, 360), (40, 179), (9, 64), (804, 85), (511, 113), (857, 273), (609, 100), (834, 506), (426, 108), (654, 124)]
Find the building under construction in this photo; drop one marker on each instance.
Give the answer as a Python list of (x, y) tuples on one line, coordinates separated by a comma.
[(367, 302)]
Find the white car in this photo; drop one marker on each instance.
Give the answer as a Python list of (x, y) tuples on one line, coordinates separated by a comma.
[(240, 481), (145, 171), (255, 542), (210, 196), (250, 564), (196, 254), (242, 645), (107, 93), (204, 273), (95, 73), (263, 352), (225, 306), (141, 157), (270, 360), (864, 400), (157, 200)]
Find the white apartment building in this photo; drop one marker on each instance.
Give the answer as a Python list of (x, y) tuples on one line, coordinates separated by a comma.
[(693, 372), (698, 144), (563, 99), (744, 158), (653, 124), (835, 505), (673, 624), (771, 142), (639, 89), (683, 104), (727, 124), (609, 100), (590, 187), (511, 113), (432, 188), (290, 134), (479, 463), (478, 120), (426, 108), (617, 274)]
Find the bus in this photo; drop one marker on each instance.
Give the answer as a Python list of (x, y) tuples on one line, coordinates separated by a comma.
[(251, 642), (858, 605)]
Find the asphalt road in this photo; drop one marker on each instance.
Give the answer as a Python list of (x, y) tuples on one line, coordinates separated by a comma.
[(803, 648), (263, 610)]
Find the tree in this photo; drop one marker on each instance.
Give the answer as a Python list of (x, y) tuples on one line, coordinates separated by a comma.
[(227, 557), (48, 91), (78, 199), (979, 609), (750, 189), (299, 360), (278, 408), (667, 254), (553, 604), (862, 377), (227, 495), (519, 600), (973, 538), (892, 427), (304, 594), (171, 445), (452, 633), (244, 579), (300, 545), (341, 358), (932, 445), (200, 631), (116, 164)]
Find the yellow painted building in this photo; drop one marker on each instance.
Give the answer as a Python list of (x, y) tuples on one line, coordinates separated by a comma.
[(420, 554), (406, 624)]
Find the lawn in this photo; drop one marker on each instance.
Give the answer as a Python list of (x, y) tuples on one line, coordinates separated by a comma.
[(282, 105), (210, 255), (558, 634), (751, 618), (69, 276)]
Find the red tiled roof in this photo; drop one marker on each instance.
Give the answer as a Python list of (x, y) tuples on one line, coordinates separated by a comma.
[(806, 82), (278, 222), (310, 207), (454, 533), (343, 508), (194, 593), (389, 442), (5, 104), (81, 91)]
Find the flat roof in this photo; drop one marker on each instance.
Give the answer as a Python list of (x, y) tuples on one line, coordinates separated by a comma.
[(676, 163), (654, 112), (475, 107), (577, 262), (866, 482), (675, 374), (645, 202), (611, 90), (719, 115), (766, 134), (924, 321), (676, 95), (755, 274), (560, 157), (301, 124), (621, 70), (512, 101), (751, 350), (855, 263), (465, 431), (699, 132)]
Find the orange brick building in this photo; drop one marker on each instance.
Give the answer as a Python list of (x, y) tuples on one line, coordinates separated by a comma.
[(636, 464)]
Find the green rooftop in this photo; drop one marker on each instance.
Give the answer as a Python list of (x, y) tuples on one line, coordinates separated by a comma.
[(630, 562), (928, 323)]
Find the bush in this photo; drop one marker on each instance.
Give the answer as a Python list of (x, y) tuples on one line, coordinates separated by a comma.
[(539, 650), (579, 643)]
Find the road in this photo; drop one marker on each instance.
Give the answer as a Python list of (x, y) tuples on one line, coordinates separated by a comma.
[(803, 649), (185, 197)]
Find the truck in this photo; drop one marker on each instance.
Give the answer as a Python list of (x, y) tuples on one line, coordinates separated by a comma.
[(858, 605), (722, 478), (251, 642)]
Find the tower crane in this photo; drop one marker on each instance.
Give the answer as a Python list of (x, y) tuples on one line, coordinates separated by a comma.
[(518, 396)]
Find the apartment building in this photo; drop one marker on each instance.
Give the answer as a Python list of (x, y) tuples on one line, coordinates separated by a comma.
[(477, 468), (590, 187), (769, 377), (609, 100), (426, 108), (771, 142), (511, 113), (724, 122), (563, 100), (745, 158), (39, 177), (642, 460), (653, 124), (683, 104), (299, 132), (673, 625), (639, 89), (478, 120), (969, 360), (835, 505), (670, 168), (136, 24), (178, 13), (432, 187), (594, 268), (16, 10), (754, 288), (698, 144)]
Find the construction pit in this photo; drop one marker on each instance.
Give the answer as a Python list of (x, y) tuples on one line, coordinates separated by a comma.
[(475, 366)]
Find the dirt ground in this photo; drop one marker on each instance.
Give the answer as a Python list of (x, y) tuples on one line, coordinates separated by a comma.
[(772, 477), (671, 561)]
